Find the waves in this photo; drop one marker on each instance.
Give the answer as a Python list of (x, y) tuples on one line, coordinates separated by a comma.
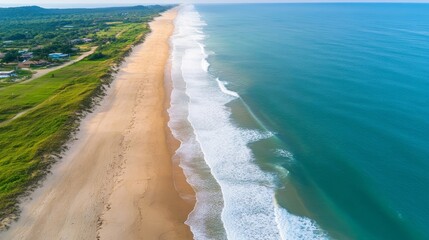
[(294, 227), (209, 205), (225, 90), (235, 199)]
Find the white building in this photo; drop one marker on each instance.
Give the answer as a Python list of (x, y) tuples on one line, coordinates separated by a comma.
[(6, 74)]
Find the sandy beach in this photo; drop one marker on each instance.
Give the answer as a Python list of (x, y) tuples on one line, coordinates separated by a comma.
[(117, 180)]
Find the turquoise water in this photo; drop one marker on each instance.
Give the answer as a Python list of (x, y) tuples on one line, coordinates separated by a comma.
[(344, 88)]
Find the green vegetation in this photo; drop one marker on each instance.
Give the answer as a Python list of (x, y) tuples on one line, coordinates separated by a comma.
[(10, 56), (28, 27), (37, 118), (32, 33)]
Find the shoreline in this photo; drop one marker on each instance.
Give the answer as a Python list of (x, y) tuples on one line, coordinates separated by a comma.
[(117, 179), (181, 184)]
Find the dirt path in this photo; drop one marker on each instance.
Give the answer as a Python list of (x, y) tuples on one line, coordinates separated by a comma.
[(42, 72)]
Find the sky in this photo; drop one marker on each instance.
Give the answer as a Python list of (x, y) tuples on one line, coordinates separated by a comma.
[(105, 3)]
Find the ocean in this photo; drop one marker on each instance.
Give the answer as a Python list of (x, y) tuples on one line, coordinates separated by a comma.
[(304, 121)]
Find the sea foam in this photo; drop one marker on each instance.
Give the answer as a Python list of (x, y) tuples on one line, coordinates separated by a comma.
[(226, 90), (294, 227), (235, 199), (205, 220)]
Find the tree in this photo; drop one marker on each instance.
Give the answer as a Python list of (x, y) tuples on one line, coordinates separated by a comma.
[(17, 36), (11, 56), (96, 56)]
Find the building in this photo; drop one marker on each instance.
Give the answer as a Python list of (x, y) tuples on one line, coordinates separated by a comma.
[(27, 55), (28, 64), (76, 41), (6, 74), (87, 40), (79, 41), (59, 56)]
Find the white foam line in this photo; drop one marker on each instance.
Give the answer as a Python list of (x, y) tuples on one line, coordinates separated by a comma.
[(246, 214), (297, 228), (209, 200), (226, 90)]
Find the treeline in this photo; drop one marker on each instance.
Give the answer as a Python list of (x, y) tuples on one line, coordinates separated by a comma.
[(35, 23), (35, 11)]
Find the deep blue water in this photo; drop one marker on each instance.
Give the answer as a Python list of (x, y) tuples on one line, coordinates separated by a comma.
[(345, 89)]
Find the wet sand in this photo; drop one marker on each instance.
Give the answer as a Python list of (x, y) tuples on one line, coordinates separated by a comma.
[(117, 181)]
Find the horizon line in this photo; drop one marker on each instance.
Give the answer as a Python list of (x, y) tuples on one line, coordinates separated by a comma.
[(95, 5)]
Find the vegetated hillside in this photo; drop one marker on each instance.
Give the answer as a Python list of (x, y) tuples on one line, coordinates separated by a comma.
[(33, 11)]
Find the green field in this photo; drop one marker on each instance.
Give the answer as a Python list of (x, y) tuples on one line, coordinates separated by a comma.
[(48, 110)]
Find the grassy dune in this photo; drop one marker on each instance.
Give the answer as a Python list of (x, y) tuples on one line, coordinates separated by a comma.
[(50, 108)]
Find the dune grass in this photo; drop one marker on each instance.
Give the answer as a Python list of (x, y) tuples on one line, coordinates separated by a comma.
[(52, 106)]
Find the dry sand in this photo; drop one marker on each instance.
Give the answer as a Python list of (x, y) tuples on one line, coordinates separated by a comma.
[(116, 181)]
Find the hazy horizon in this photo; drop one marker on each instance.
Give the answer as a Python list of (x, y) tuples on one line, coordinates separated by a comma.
[(115, 3)]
